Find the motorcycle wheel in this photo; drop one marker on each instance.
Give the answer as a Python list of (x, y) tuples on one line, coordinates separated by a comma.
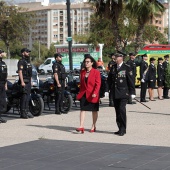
[(67, 102), (38, 107)]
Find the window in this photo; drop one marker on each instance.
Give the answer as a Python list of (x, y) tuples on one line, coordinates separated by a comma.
[(47, 62)]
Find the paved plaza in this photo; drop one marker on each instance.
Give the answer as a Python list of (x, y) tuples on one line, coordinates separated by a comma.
[(50, 142)]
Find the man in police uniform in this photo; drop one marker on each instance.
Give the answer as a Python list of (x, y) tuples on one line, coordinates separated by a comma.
[(59, 82), (143, 78), (25, 74), (132, 64), (122, 83), (165, 89), (110, 64), (3, 86)]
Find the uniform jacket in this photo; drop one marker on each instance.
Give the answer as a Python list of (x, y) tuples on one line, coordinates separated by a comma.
[(59, 68), (152, 73), (132, 64), (92, 86), (121, 81), (143, 67), (160, 72), (165, 64), (3, 71)]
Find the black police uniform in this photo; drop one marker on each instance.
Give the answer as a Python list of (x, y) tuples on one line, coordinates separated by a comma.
[(143, 67), (122, 84), (26, 67), (166, 89), (151, 76), (59, 68), (132, 64), (3, 79), (160, 72), (111, 103)]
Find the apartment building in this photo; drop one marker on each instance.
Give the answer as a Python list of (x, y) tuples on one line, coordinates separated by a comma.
[(51, 22)]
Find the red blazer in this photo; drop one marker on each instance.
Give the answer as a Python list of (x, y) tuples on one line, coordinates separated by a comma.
[(92, 86)]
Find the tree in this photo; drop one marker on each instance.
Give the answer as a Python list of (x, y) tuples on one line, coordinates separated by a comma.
[(144, 11), (51, 51), (152, 34), (110, 10), (14, 24)]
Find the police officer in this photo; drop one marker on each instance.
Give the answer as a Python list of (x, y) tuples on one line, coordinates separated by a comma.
[(143, 78), (3, 86), (151, 78), (166, 89), (110, 64), (121, 77), (160, 78), (132, 64), (25, 74), (59, 82)]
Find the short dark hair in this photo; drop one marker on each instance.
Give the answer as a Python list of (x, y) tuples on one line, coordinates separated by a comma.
[(57, 55), (92, 60)]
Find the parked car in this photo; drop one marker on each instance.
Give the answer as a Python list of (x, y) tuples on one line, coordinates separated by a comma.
[(47, 65)]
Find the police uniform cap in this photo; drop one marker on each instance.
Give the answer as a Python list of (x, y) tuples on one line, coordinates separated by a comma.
[(144, 55), (57, 55), (118, 55), (152, 59), (166, 56), (1, 51), (160, 58), (131, 54), (25, 50)]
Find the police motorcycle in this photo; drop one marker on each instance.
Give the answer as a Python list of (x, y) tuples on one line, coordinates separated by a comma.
[(48, 93), (73, 83), (14, 92)]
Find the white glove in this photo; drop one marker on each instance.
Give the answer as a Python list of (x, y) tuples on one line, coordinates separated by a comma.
[(133, 96), (143, 81)]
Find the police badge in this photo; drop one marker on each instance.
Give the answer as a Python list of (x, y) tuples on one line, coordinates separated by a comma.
[(130, 72), (21, 67)]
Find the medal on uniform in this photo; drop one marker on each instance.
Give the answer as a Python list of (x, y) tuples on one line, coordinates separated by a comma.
[(121, 81), (56, 69), (21, 66)]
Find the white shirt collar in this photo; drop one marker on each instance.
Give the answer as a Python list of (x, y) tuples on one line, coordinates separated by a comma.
[(119, 65)]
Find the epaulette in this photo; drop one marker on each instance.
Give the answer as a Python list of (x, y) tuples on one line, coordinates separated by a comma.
[(127, 65)]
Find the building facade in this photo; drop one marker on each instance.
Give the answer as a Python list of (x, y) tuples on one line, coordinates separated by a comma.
[(51, 22)]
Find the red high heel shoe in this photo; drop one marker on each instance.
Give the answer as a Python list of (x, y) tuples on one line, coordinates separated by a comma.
[(93, 130), (80, 130)]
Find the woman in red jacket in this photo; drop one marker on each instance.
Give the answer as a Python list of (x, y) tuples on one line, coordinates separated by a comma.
[(90, 82)]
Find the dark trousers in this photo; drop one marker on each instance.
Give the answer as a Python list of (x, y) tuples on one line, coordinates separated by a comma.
[(3, 103), (165, 91), (143, 91), (59, 96), (120, 108), (25, 98)]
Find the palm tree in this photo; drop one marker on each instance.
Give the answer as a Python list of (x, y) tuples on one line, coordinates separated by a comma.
[(110, 9), (144, 11)]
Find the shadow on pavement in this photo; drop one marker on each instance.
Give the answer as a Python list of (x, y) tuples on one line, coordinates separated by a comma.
[(68, 129)]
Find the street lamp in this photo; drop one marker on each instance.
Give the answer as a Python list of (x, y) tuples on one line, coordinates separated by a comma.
[(69, 39)]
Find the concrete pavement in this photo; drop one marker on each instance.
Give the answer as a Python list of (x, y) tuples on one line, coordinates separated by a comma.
[(144, 126)]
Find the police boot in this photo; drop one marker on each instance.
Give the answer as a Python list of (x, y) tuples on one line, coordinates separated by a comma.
[(2, 120), (24, 114), (29, 114), (57, 112), (63, 111)]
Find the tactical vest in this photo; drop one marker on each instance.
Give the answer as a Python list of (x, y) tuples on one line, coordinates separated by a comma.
[(27, 69), (3, 71), (62, 74)]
